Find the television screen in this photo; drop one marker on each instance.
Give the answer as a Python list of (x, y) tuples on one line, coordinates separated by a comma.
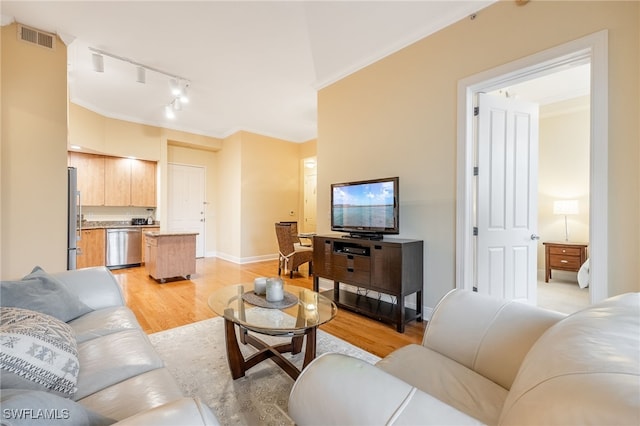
[(362, 207)]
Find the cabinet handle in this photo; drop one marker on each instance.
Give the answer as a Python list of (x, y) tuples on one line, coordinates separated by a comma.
[(349, 269), (564, 261)]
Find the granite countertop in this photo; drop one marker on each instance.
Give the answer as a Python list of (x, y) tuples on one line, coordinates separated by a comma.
[(168, 234), (115, 224)]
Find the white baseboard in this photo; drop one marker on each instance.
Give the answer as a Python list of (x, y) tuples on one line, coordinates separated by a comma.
[(244, 260)]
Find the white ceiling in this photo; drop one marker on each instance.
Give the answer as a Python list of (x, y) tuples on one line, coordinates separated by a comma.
[(252, 66)]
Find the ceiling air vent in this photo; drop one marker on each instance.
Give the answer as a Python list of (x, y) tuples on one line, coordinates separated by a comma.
[(31, 35)]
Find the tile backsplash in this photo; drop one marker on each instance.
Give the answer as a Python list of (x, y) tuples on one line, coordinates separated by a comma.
[(113, 214)]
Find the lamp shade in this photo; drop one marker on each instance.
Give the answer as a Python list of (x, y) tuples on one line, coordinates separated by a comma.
[(565, 207)]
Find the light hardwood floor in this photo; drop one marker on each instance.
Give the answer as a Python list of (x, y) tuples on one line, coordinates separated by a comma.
[(159, 307)]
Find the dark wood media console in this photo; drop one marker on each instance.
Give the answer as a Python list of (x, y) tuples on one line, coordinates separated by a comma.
[(391, 266)]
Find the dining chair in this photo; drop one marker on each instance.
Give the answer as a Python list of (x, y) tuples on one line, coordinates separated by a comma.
[(291, 255)]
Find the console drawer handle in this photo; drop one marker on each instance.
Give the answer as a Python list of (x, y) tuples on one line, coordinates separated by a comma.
[(564, 261), (349, 269)]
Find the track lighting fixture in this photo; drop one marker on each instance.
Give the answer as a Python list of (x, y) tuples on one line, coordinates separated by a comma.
[(184, 98), (141, 75), (178, 85), (174, 86), (168, 112), (98, 62)]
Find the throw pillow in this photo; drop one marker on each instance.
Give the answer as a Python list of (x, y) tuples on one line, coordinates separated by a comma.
[(41, 292), (37, 352), (28, 407)]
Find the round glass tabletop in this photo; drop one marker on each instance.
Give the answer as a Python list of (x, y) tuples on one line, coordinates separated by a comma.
[(300, 310)]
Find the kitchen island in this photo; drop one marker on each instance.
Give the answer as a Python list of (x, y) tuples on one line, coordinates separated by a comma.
[(170, 254)]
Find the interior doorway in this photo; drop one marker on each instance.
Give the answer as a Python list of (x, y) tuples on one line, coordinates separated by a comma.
[(591, 49), (309, 167)]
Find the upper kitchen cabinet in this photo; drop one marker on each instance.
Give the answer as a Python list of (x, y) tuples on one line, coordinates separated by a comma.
[(129, 182), (115, 181), (90, 177), (143, 183)]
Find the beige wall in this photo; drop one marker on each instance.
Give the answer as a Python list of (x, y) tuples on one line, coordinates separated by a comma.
[(229, 188), (270, 191), (96, 133), (398, 117), (260, 185), (563, 172), (33, 156)]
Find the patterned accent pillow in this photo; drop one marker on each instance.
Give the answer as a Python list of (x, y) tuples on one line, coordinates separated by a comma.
[(37, 351)]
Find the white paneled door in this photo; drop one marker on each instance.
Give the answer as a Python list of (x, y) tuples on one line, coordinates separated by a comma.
[(507, 203), (186, 202)]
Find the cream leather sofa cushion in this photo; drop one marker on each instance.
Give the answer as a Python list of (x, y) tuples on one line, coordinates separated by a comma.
[(446, 380), (107, 360), (103, 322), (583, 370), (185, 411), (367, 396), (487, 335), (134, 395)]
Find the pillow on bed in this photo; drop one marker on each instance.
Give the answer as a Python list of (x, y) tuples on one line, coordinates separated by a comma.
[(41, 292), (38, 352)]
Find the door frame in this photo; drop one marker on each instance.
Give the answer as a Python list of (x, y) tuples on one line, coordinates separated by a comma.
[(592, 48)]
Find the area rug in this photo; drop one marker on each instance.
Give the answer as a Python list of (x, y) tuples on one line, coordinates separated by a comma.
[(195, 354)]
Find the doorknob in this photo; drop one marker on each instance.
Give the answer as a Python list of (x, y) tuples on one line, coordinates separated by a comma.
[(535, 237)]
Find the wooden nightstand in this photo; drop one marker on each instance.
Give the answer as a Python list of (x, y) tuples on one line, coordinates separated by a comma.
[(564, 256)]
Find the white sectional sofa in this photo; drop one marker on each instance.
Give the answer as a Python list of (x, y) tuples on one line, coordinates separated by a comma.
[(119, 378), (488, 361)]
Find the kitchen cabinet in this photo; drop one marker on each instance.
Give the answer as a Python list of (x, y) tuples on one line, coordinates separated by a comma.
[(114, 181), (91, 248), (143, 242), (129, 182), (117, 181), (90, 177), (143, 183)]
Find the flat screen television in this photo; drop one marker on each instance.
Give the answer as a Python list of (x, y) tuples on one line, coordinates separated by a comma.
[(367, 208)]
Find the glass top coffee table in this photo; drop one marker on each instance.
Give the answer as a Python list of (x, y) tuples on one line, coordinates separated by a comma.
[(297, 316)]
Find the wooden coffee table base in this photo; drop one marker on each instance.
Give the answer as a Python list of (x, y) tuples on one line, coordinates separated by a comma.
[(238, 364)]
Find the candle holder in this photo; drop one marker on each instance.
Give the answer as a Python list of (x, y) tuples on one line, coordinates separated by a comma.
[(275, 290), (260, 286)]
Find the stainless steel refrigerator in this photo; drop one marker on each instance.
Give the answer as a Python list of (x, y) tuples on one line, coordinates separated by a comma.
[(73, 217)]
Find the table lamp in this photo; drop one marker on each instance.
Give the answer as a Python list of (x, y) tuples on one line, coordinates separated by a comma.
[(565, 207)]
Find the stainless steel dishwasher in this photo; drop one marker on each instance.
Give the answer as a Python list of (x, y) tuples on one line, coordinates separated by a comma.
[(124, 247)]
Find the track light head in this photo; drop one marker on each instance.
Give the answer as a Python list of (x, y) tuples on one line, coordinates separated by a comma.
[(141, 75), (174, 84), (184, 97), (168, 112), (98, 62)]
